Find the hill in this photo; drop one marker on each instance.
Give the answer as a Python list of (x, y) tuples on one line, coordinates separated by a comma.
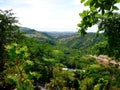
[(32, 33), (39, 36), (77, 41), (58, 35), (70, 40)]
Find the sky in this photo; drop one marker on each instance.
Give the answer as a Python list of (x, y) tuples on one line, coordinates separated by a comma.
[(47, 15)]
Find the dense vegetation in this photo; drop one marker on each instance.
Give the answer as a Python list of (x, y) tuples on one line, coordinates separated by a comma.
[(104, 14), (30, 59)]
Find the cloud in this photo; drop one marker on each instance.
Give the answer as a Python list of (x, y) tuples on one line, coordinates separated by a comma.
[(46, 13)]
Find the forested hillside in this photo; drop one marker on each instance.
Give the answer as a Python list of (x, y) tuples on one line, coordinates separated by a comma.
[(67, 39), (83, 43), (68, 55)]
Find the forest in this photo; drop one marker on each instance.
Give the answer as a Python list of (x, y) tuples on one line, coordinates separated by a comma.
[(35, 60)]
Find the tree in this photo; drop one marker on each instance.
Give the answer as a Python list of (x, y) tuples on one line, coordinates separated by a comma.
[(8, 28), (100, 48), (15, 73), (98, 9), (101, 12), (111, 27)]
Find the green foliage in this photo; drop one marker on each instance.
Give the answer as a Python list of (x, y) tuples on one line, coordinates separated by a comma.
[(87, 84), (111, 27), (47, 57), (110, 46), (101, 12), (95, 77), (100, 48), (101, 84), (17, 53), (11, 80), (102, 6), (8, 33), (85, 72), (81, 45), (62, 80), (16, 66)]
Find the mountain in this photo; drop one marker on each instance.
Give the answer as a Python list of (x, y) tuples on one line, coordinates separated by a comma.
[(39, 36), (58, 35), (33, 33), (83, 44), (50, 35), (77, 41), (67, 39)]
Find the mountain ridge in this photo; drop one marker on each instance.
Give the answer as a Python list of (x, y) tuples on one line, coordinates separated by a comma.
[(67, 39)]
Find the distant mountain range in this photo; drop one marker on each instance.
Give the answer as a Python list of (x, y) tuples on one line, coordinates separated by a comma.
[(68, 39), (51, 35)]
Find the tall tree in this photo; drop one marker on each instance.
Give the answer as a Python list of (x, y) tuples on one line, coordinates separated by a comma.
[(8, 28), (101, 12)]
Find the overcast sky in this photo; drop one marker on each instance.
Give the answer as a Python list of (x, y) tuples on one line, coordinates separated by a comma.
[(61, 15)]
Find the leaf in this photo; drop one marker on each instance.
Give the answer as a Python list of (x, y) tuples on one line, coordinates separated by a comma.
[(34, 74), (11, 80), (29, 63), (92, 4), (79, 25), (99, 1), (91, 19), (87, 3), (82, 1), (92, 9), (82, 32), (84, 13), (115, 8)]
